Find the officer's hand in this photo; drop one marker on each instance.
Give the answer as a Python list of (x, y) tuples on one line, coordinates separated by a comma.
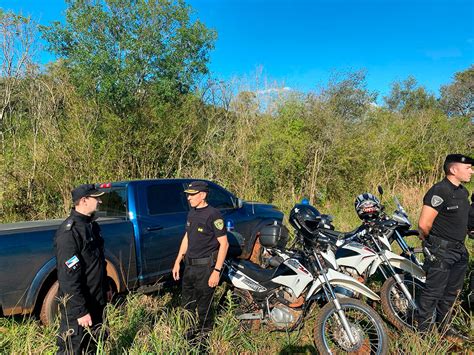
[(214, 279), (176, 272), (85, 321)]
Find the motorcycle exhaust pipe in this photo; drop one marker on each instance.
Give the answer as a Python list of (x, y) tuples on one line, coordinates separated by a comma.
[(250, 316)]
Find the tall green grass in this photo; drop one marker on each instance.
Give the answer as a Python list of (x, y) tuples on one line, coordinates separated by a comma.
[(156, 324)]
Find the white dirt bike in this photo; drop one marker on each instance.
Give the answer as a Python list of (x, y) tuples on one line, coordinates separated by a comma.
[(281, 297), (367, 252)]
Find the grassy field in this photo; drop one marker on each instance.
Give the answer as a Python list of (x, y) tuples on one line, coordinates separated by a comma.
[(156, 324)]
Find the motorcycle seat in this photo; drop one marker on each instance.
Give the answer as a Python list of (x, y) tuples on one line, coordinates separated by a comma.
[(340, 238), (254, 271), (333, 234), (351, 234)]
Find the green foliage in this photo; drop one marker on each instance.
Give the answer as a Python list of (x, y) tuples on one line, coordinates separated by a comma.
[(407, 97), (103, 113), (121, 52), (279, 157), (348, 95), (457, 98)]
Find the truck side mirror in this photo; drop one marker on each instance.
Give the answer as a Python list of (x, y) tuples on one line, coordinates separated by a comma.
[(239, 203)]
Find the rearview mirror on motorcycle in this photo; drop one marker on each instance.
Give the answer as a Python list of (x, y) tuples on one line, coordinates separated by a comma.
[(380, 190)]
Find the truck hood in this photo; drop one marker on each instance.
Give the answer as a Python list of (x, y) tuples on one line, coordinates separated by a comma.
[(261, 208)]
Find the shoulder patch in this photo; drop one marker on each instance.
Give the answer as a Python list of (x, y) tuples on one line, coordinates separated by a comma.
[(219, 224), (73, 262), (69, 224), (436, 201)]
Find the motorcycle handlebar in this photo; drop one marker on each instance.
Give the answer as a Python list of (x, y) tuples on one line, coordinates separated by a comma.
[(411, 232)]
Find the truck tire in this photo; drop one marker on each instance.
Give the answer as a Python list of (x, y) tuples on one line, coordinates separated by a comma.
[(50, 306)]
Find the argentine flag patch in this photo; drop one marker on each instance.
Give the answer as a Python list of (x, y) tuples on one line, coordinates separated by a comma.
[(72, 263)]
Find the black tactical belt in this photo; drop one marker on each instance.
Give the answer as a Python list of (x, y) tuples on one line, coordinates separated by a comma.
[(209, 260), (199, 261), (444, 243)]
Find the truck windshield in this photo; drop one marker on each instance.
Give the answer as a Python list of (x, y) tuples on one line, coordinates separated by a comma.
[(114, 203)]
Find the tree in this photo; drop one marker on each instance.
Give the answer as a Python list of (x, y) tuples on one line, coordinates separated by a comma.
[(121, 52), (18, 45), (348, 96), (457, 99), (407, 96)]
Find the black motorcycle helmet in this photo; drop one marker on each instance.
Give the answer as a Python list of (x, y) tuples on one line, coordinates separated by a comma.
[(305, 219), (367, 206)]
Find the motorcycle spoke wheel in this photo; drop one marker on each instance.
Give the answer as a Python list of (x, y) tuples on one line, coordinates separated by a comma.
[(241, 303), (366, 326), (395, 304)]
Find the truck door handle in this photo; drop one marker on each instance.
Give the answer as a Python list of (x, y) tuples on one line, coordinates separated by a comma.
[(154, 228)]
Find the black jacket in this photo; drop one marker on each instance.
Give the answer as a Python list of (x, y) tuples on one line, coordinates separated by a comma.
[(470, 225), (81, 265)]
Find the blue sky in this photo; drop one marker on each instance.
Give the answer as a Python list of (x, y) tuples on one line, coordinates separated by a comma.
[(301, 43)]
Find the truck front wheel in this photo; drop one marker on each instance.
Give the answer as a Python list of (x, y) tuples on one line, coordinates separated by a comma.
[(50, 307)]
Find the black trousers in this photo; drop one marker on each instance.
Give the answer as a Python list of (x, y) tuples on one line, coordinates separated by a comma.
[(196, 293), (74, 339), (444, 281)]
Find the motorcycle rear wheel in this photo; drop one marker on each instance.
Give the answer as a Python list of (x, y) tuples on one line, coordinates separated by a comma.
[(241, 302), (394, 303), (367, 328)]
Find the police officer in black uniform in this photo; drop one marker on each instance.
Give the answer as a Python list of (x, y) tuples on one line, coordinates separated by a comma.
[(470, 229), (203, 249), (470, 226), (443, 228), (81, 267)]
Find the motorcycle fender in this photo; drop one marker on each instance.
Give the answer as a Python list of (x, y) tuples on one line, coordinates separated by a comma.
[(330, 258), (386, 243), (337, 278), (375, 265), (404, 264)]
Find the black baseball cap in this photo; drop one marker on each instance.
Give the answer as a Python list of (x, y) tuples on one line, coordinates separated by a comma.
[(458, 158), (86, 190), (197, 186)]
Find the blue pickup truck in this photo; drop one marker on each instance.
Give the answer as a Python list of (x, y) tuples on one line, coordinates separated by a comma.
[(142, 223)]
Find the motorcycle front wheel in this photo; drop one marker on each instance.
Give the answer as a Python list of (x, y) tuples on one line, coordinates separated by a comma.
[(366, 325)]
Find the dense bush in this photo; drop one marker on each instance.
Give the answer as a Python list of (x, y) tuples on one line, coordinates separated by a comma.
[(328, 145)]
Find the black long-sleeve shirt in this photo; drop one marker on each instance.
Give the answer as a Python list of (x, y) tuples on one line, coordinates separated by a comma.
[(470, 224), (81, 265)]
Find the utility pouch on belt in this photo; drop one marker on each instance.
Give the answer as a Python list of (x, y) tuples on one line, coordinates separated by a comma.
[(435, 249), (435, 245)]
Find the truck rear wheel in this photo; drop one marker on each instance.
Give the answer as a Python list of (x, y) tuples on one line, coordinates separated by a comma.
[(50, 306)]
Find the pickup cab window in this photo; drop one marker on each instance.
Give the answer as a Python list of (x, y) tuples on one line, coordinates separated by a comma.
[(114, 203), (219, 198), (166, 198)]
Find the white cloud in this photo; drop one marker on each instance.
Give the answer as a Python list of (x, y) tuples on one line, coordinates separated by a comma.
[(273, 90)]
